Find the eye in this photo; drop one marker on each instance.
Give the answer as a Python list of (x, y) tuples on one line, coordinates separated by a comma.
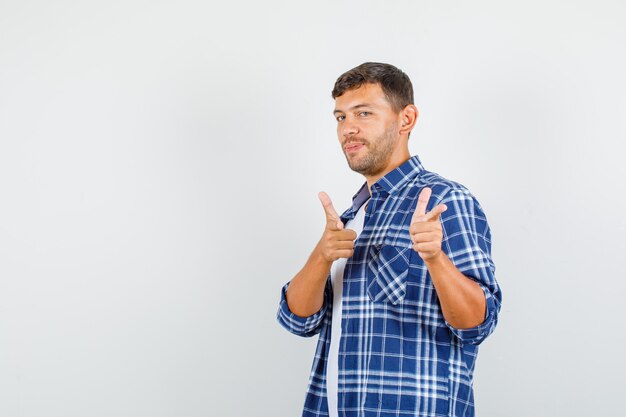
[(364, 113), (340, 118)]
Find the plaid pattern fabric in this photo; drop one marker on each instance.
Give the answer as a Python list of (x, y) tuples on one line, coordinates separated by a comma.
[(397, 355)]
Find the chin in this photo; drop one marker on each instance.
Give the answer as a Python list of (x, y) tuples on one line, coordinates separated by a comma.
[(362, 170)]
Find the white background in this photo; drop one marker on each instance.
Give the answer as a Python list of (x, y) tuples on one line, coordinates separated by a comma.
[(159, 169)]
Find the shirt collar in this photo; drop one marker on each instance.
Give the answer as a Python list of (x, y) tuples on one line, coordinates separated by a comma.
[(390, 183), (399, 177), (358, 199)]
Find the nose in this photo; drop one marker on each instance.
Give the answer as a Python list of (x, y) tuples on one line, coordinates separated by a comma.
[(348, 128)]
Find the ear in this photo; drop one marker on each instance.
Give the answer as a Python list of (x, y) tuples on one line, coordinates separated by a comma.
[(408, 118)]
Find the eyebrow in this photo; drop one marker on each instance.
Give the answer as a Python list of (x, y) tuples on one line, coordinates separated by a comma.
[(355, 107)]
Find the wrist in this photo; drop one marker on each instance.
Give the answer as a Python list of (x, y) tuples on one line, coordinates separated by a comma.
[(435, 260), (318, 259)]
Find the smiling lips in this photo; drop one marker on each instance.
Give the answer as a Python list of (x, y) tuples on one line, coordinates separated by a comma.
[(353, 147)]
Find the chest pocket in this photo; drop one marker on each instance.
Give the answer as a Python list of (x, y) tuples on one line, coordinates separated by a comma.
[(388, 271)]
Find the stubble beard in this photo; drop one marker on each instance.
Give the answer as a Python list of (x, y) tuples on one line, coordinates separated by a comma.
[(377, 156)]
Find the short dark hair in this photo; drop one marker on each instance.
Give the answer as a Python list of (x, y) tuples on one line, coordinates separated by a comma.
[(395, 84)]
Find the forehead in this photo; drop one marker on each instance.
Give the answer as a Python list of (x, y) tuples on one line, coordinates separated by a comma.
[(367, 94)]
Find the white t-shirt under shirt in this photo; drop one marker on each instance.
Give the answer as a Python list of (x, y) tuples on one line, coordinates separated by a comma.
[(336, 276)]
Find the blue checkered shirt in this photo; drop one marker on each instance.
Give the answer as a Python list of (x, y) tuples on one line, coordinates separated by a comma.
[(397, 354)]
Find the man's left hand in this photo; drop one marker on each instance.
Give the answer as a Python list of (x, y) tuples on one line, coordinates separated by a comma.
[(426, 229)]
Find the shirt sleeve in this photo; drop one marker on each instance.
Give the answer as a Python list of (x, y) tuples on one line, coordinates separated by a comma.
[(302, 326), (467, 242)]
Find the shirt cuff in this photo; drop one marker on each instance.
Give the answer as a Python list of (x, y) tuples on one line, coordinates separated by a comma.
[(475, 335), (301, 326)]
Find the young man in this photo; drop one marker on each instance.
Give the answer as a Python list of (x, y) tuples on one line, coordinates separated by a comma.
[(401, 286)]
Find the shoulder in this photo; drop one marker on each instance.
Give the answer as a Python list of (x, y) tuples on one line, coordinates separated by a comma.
[(442, 188), (459, 200)]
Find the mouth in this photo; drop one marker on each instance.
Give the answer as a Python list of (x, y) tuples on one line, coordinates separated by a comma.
[(353, 147)]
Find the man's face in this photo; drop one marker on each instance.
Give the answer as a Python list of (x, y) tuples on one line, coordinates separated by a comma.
[(367, 128)]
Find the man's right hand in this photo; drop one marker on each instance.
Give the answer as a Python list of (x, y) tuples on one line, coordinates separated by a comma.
[(305, 294), (336, 242)]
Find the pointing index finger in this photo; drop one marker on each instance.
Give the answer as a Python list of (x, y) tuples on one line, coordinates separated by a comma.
[(422, 202), (331, 213)]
